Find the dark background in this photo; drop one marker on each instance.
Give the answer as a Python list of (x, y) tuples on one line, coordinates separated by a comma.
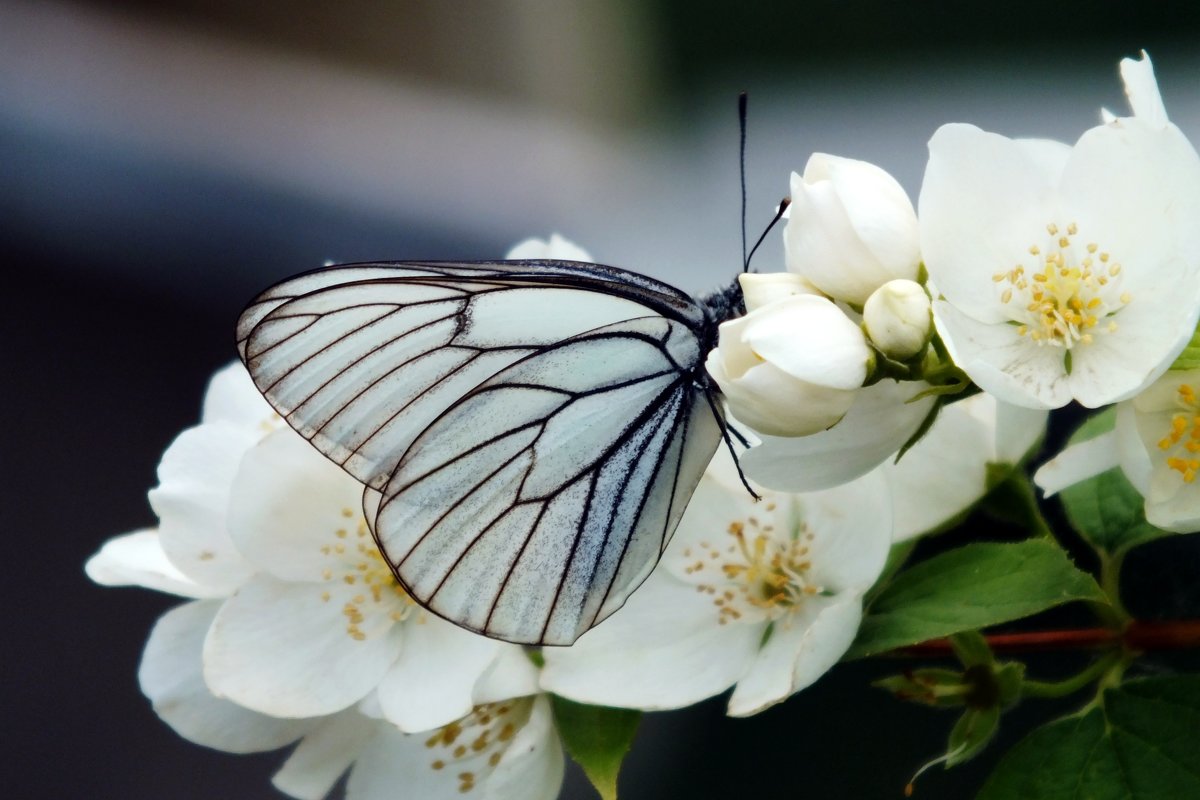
[(139, 210)]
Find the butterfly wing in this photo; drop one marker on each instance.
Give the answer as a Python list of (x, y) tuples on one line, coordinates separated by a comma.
[(535, 505), (535, 427)]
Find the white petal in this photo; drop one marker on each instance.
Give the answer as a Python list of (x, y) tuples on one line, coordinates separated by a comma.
[(532, 766), (432, 682), (664, 649), (983, 197), (880, 213), (944, 473), (396, 766), (1077, 463), (1135, 191), (801, 649), (851, 527), (810, 338), (324, 755), (1002, 362), (556, 248), (1142, 90), (1132, 452), (192, 499), (511, 674), (876, 425), (137, 559), (170, 676), (290, 509), (281, 649), (1047, 155), (233, 398)]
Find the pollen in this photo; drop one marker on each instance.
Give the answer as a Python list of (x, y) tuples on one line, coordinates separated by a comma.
[(763, 571), (1181, 444), (376, 600), (1066, 294), (473, 746)]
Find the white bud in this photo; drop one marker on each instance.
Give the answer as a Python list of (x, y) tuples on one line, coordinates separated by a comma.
[(851, 228), (898, 318), (792, 367), (759, 289)]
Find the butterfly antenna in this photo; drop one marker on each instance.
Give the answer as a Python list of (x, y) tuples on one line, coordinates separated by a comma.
[(783, 206), (725, 429), (743, 98)]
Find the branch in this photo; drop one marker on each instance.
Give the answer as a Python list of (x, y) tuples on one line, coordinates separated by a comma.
[(1173, 635)]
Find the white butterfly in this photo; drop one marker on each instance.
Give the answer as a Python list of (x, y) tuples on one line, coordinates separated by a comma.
[(534, 429)]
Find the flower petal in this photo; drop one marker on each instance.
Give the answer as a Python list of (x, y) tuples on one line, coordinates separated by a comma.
[(1002, 362), (282, 649), (663, 649), (851, 526), (1142, 90), (291, 508), (801, 649), (192, 499), (233, 398), (432, 682), (982, 197), (324, 755), (557, 248), (876, 425), (1077, 463), (170, 676), (532, 766), (137, 559)]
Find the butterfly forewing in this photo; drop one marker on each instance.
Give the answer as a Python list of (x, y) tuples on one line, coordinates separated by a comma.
[(535, 428)]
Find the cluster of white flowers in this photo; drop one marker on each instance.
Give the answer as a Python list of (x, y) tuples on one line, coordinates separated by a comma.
[(1039, 272)]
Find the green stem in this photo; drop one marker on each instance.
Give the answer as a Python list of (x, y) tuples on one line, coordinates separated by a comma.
[(1098, 668), (1110, 584)]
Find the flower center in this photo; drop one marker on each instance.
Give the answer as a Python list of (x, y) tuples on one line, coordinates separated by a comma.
[(474, 745), (1182, 442), (757, 572), (357, 561), (1068, 291)]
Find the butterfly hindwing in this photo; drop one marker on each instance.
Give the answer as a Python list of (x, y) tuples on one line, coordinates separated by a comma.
[(536, 504), (536, 428)]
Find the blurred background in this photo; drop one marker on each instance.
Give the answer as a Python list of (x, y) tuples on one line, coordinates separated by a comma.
[(160, 162)]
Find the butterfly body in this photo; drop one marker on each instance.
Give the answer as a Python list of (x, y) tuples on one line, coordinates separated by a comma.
[(529, 431)]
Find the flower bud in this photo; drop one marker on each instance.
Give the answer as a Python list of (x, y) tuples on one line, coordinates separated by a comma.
[(851, 228), (760, 288), (898, 319), (790, 368)]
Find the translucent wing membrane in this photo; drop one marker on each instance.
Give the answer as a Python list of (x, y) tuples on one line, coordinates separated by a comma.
[(535, 428)]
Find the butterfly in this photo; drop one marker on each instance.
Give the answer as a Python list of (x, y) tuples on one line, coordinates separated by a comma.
[(528, 432)]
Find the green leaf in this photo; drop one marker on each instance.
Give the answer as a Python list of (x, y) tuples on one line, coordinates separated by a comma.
[(597, 738), (1108, 512), (971, 733), (969, 588), (971, 648), (1140, 745)]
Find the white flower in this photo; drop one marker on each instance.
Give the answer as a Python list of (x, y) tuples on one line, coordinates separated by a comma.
[(323, 622), (791, 367), (1141, 89), (946, 472), (1156, 442), (897, 318), (506, 746), (556, 248), (851, 228), (881, 419), (1067, 273), (761, 288), (767, 596)]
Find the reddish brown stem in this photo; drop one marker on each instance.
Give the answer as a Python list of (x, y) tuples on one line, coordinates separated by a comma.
[(1175, 635)]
